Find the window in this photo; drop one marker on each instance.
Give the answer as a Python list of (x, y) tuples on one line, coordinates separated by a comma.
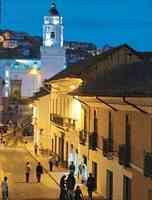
[(52, 35)]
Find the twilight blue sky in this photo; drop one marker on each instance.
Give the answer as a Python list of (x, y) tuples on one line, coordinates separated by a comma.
[(100, 21)]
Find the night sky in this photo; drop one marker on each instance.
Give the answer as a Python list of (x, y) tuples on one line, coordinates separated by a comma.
[(102, 22)]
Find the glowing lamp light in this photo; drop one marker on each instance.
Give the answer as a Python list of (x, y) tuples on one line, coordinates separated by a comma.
[(72, 87), (30, 105), (34, 72)]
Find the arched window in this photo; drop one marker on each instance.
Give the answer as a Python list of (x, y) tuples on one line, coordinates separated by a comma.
[(52, 35)]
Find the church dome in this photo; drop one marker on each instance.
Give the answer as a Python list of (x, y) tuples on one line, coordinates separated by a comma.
[(53, 10)]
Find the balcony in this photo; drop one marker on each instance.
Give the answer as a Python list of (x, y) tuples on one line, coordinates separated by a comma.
[(83, 137), (63, 121), (93, 141), (107, 146), (70, 123), (56, 119), (124, 155), (148, 164)]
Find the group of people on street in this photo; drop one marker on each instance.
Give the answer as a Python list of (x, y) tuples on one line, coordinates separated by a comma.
[(39, 172), (67, 188), (68, 191)]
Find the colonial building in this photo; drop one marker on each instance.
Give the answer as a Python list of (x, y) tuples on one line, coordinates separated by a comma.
[(98, 114)]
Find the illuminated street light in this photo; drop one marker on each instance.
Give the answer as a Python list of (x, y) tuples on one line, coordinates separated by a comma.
[(34, 72)]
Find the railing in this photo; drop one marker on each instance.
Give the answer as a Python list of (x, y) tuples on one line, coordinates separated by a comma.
[(63, 121), (83, 137), (107, 146), (56, 119)]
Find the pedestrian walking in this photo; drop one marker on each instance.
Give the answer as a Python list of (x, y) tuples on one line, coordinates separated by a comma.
[(27, 171), (57, 160), (35, 149), (91, 185), (78, 193), (4, 186), (63, 189), (50, 161), (80, 170), (84, 174), (70, 186), (72, 168), (39, 172)]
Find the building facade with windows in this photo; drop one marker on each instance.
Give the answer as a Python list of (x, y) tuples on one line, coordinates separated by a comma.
[(99, 115)]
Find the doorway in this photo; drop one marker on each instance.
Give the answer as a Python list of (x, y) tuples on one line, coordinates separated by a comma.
[(109, 185), (94, 172), (126, 188)]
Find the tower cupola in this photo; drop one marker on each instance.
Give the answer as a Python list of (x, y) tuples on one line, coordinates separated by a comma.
[(53, 10)]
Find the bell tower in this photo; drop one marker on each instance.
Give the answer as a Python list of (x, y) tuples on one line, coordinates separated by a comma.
[(52, 51), (53, 28)]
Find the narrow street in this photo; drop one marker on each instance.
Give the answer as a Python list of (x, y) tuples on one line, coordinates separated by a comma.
[(12, 164)]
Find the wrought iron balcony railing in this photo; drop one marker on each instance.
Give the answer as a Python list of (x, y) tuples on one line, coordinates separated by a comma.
[(63, 121), (107, 146)]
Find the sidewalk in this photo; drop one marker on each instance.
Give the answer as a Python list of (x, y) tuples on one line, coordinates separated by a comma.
[(57, 172)]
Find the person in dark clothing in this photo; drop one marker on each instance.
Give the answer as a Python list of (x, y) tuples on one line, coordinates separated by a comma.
[(27, 171), (72, 168), (35, 149), (90, 185), (4, 188), (78, 193), (50, 164), (70, 186), (63, 192), (39, 172)]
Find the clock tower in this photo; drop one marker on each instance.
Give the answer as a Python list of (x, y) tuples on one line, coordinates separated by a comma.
[(52, 51)]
